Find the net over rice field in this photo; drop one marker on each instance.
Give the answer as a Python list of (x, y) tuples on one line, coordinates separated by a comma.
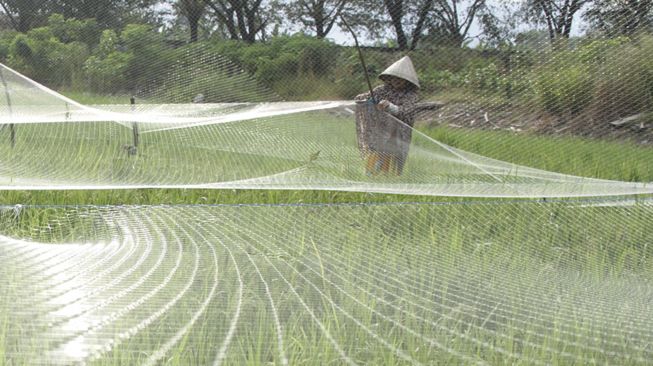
[(499, 199)]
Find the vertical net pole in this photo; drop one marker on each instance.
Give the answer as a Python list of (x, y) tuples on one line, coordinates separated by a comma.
[(135, 132)]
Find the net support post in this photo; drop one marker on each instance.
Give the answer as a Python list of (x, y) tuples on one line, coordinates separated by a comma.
[(135, 133)]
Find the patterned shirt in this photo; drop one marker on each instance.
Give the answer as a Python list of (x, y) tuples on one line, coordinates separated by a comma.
[(404, 99), (378, 131)]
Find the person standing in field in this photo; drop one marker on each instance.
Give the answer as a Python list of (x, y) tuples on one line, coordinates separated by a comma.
[(384, 141)]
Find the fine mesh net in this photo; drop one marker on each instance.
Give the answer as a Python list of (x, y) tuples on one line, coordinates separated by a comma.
[(279, 145), (454, 283), (523, 166)]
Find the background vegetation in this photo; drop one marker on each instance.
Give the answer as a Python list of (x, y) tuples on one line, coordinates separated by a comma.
[(602, 77), (172, 51)]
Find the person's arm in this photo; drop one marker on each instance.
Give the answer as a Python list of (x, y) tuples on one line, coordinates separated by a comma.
[(366, 96), (403, 109), (362, 97)]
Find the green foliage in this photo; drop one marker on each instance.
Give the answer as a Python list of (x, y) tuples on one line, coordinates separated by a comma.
[(74, 30), (598, 50), (149, 57), (54, 54), (625, 85), (291, 56), (308, 87), (6, 41), (4, 50), (564, 91), (108, 44), (20, 48), (42, 56), (283, 58), (489, 78), (107, 74), (349, 73), (106, 69), (435, 80), (198, 70), (608, 77), (271, 69)]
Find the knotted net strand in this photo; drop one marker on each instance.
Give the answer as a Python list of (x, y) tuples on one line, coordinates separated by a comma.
[(556, 269)]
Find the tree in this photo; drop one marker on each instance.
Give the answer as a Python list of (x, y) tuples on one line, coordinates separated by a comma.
[(499, 24), (621, 17), (25, 14), (108, 13), (407, 18), (447, 21), (192, 10), (558, 15), (405, 15), (453, 20), (243, 19), (318, 15)]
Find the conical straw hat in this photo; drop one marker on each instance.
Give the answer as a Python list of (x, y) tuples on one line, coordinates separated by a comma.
[(402, 69)]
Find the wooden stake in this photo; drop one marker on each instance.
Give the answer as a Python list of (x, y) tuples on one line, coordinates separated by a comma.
[(135, 124)]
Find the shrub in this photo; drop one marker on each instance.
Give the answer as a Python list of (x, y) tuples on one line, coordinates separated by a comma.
[(596, 51), (200, 70), (283, 58), (625, 81), (564, 91), (74, 30), (149, 58), (434, 80), (107, 74)]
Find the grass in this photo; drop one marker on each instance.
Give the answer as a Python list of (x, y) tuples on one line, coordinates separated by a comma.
[(95, 159), (615, 160), (87, 98), (459, 282), (525, 285)]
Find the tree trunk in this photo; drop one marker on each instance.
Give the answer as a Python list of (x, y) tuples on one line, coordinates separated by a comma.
[(194, 25), (396, 10), (419, 27)]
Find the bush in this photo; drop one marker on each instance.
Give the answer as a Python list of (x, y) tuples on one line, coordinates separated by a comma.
[(107, 74), (435, 80), (149, 58), (200, 70), (6, 40), (74, 30), (106, 69), (283, 58), (597, 51), (43, 57), (625, 81), (564, 91)]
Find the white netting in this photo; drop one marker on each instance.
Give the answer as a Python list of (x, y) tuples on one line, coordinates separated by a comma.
[(455, 283), (245, 109), (285, 145)]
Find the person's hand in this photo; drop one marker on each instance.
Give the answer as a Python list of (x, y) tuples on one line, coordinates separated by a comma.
[(387, 106), (383, 105), (365, 97)]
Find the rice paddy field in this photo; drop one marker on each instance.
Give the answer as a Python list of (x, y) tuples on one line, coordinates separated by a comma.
[(93, 152), (482, 283), (207, 201), (306, 277)]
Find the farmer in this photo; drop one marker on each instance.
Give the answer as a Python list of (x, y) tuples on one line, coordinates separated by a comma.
[(384, 140)]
